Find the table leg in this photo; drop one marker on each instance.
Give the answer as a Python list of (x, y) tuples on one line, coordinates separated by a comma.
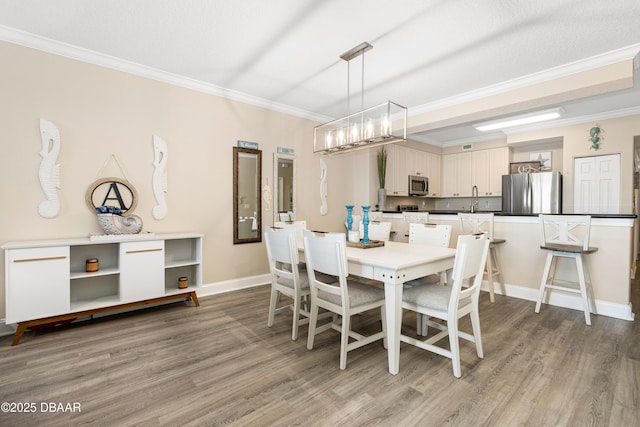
[(393, 307)]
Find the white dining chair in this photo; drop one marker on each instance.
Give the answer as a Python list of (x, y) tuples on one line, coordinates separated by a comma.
[(452, 302), (325, 254), (429, 235), (282, 255), (298, 225), (415, 217), (567, 236), (377, 230), (473, 223)]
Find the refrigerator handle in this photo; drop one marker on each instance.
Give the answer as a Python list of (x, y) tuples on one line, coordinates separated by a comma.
[(528, 195)]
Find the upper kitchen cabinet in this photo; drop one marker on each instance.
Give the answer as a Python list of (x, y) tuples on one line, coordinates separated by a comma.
[(417, 162), (487, 167), (433, 173), (403, 161), (397, 176), (456, 175), (422, 163)]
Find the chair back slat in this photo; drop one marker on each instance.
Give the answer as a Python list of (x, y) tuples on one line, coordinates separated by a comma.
[(565, 230), (430, 234), (469, 263), (282, 256), (475, 223), (298, 225), (282, 252), (377, 230), (325, 253), (415, 217), (285, 216)]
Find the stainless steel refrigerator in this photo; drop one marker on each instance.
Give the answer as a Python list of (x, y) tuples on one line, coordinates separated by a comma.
[(532, 193)]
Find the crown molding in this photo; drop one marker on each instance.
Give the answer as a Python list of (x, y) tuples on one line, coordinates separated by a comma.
[(44, 44), (66, 50), (587, 64)]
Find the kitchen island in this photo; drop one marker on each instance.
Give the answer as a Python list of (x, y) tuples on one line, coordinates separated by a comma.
[(522, 260)]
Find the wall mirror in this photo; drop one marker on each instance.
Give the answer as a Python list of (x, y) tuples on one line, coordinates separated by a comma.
[(284, 187), (247, 206)]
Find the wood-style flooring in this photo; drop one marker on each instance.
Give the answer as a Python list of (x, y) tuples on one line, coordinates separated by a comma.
[(220, 364)]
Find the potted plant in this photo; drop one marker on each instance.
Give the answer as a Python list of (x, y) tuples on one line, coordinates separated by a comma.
[(382, 170)]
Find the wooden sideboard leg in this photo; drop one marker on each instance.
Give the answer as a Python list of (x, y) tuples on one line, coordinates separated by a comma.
[(194, 298), (22, 326)]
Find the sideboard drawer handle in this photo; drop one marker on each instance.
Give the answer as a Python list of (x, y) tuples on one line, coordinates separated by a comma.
[(40, 259), (144, 250)]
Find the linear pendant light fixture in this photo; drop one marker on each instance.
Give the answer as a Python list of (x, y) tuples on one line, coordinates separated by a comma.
[(383, 124), (519, 120)]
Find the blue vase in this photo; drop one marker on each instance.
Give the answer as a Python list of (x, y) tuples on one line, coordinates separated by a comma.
[(349, 216), (365, 223)]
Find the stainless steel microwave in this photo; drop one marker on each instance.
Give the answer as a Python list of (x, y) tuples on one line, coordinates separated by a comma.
[(418, 185)]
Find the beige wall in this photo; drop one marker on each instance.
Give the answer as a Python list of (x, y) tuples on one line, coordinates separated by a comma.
[(101, 112)]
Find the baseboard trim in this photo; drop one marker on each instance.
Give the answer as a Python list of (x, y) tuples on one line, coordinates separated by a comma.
[(560, 299), (6, 329), (233, 285), (605, 308)]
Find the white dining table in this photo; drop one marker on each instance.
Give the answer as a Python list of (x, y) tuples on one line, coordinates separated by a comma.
[(394, 264)]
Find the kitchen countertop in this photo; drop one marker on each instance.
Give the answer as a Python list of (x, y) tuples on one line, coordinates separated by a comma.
[(499, 213)]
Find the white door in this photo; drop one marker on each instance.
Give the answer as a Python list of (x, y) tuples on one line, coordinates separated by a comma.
[(597, 184)]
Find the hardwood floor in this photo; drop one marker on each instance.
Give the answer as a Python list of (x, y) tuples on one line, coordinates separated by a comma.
[(219, 364)]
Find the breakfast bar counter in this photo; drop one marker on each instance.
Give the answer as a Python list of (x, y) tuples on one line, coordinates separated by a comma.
[(611, 267)]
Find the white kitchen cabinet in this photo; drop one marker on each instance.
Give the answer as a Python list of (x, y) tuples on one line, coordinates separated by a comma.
[(487, 167), (417, 162), (36, 282), (433, 173), (456, 175), (47, 282), (397, 182), (403, 161)]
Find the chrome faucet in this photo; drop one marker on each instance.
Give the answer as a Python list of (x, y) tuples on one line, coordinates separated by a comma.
[(474, 194)]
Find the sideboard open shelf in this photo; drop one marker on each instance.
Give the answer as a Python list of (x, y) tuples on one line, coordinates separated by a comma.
[(46, 282)]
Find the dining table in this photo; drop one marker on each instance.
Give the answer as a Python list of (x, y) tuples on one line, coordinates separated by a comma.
[(394, 264)]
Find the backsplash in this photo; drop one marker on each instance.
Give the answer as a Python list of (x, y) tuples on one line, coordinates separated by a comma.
[(444, 204)]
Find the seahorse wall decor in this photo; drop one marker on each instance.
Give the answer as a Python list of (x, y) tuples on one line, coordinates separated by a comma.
[(266, 196), (159, 178), (49, 172), (323, 187), (595, 138)]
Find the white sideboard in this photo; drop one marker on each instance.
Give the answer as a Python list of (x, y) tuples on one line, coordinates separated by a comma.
[(46, 281)]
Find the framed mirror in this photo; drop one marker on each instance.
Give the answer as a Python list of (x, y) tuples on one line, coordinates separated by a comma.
[(247, 203), (284, 187)]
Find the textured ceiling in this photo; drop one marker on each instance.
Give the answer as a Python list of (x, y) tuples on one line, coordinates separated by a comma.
[(287, 51)]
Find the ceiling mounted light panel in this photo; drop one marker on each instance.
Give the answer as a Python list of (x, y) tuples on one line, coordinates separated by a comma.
[(519, 120)]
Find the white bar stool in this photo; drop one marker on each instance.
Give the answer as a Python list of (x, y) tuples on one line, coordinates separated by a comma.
[(474, 223), (567, 236)]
